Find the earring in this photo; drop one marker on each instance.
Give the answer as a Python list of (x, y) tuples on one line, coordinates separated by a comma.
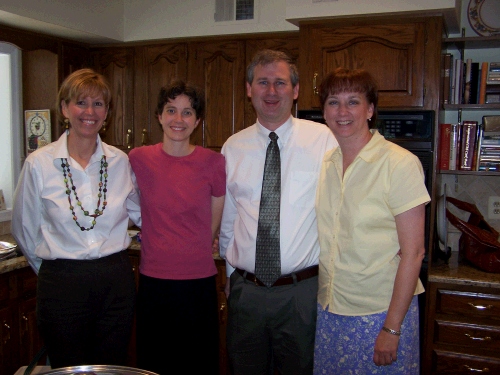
[(370, 119), (66, 123)]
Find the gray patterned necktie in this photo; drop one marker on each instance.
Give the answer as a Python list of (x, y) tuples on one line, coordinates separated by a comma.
[(267, 256)]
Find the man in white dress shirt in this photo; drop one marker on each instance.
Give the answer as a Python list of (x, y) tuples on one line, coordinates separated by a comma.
[(273, 327)]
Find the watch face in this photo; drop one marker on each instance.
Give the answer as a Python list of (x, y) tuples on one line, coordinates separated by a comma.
[(38, 125)]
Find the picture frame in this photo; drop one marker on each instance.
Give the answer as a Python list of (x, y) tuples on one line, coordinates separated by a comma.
[(38, 129)]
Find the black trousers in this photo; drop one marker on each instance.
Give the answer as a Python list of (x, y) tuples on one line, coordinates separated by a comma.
[(85, 310), (177, 326)]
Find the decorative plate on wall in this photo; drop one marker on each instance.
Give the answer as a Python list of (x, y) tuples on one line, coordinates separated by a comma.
[(484, 16)]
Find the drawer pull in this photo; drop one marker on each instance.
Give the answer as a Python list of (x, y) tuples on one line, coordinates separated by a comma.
[(487, 338), (481, 307), (472, 369)]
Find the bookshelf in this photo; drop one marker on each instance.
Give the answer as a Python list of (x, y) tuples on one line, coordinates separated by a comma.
[(479, 48)]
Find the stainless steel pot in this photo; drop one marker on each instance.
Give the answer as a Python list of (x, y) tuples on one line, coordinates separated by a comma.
[(98, 370)]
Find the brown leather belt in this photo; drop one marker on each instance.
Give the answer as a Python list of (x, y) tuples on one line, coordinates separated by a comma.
[(304, 274)]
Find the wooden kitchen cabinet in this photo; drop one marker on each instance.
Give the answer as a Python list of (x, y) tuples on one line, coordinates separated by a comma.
[(156, 65), (117, 65), (288, 43), (463, 321), (218, 66), (402, 54), (222, 306), (20, 339)]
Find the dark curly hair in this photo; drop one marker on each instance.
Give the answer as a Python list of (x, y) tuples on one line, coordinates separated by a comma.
[(179, 87)]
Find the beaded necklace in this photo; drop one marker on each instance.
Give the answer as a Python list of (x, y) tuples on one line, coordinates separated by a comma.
[(102, 189)]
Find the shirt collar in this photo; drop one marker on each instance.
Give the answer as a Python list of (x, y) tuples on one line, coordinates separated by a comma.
[(283, 132), (61, 149), (369, 153)]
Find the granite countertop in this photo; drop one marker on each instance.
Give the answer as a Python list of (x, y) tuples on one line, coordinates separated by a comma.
[(11, 264), (21, 262), (461, 273)]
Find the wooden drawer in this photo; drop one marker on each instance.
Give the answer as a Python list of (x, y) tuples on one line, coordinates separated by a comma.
[(446, 363), (468, 304), (469, 336)]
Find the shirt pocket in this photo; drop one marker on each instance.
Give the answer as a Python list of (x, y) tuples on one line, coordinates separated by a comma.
[(302, 191)]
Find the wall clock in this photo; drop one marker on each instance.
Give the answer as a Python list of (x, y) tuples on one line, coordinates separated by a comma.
[(38, 129)]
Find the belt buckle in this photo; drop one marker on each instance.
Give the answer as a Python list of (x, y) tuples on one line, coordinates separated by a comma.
[(255, 280)]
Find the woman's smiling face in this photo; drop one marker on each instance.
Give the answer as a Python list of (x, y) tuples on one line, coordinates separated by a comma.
[(86, 115), (347, 114)]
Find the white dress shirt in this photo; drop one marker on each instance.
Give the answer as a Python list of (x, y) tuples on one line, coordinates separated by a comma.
[(42, 222), (302, 146)]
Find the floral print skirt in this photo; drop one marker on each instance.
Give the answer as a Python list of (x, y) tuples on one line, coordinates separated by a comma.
[(344, 344)]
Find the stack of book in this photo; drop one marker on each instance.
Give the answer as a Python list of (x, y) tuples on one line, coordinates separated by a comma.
[(469, 82), (492, 93), (489, 159), (489, 147), (470, 146)]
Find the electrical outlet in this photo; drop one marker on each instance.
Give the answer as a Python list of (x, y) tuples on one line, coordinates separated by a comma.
[(494, 208)]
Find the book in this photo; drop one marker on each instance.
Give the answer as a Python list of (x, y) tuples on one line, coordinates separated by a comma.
[(477, 149), (446, 77), (458, 76), (494, 67), (491, 125), (492, 99), (493, 72), (444, 146), (467, 145), (454, 130), (482, 84), (493, 88), (467, 79), (474, 83)]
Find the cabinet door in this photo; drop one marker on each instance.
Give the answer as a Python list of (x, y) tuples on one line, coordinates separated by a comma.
[(222, 305), (117, 65), (9, 353), (219, 67), (73, 57), (29, 337), (30, 340), (393, 53), (157, 66), (288, 43)]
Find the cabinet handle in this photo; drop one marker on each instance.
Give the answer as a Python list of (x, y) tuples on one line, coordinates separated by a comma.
[(6, 337), (144, 136), (25, 319), (129, 132), (221, 312), (486, 338), (315, 87), (472, 369), (480, 307)]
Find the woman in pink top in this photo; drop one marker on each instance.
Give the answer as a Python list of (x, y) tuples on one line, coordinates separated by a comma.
[(182, 190)]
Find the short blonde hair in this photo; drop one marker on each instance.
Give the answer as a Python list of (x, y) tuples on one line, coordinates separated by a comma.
[(82, 82)]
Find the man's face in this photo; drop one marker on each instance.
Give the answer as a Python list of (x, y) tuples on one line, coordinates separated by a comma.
[(272, 94)]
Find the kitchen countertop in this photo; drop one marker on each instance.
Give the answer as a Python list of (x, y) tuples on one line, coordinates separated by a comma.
[(461, 273), (21, 262), (11, 264)]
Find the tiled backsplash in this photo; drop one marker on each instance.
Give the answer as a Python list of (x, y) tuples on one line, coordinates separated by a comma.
[(469, 188), (4, 227)]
